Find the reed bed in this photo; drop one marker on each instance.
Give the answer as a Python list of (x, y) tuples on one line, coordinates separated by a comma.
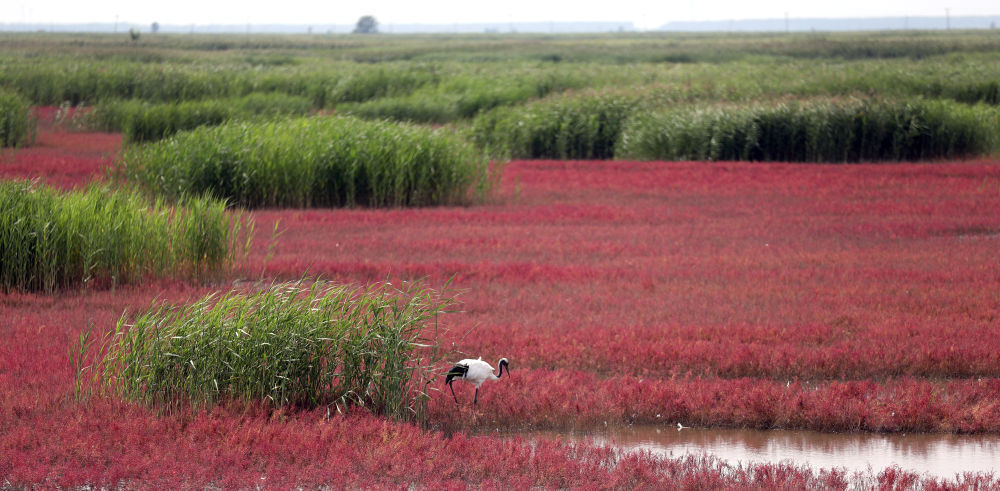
[(291, 344), (86, 80), (17, 127), (565, 127), (380, 81), (823, 131), (442, 79), (464, 94), (412, 109), (51, 240), (141, 121), (534, 47), (318, 162)]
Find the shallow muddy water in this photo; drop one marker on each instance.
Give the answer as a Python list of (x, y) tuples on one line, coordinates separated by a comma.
[(939, 455)]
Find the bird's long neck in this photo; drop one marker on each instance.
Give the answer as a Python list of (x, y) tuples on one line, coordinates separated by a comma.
[(501, 370)]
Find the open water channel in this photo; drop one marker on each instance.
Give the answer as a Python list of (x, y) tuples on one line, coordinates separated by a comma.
[(938, 455)]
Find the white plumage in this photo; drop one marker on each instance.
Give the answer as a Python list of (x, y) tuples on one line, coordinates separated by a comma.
[(474, 372)]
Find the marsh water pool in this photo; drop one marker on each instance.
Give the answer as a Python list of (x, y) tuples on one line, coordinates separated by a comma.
[(938, 455)]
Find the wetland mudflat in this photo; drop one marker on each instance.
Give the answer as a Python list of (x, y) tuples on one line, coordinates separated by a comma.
[(940, 455)]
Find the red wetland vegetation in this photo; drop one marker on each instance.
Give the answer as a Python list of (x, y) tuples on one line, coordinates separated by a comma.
[(839, 298)]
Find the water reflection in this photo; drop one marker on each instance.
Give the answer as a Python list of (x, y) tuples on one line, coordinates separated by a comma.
[(936, 454)]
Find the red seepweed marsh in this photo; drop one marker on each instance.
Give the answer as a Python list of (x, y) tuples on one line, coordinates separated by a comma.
[(856, 298), (834, 298)]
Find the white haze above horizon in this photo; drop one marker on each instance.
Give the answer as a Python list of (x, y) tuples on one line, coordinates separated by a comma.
[(643, 14)]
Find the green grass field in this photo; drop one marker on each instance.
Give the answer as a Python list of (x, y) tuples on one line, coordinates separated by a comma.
[(906, 95)]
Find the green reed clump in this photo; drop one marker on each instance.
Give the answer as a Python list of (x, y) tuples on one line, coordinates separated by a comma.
[(17, 127), (141, 121), (463, 96), (578, 127), (98, 74), (819, 131), (412, 108), (320, 161), (51, 240), (288, 345), (365, 84), (979, 89)]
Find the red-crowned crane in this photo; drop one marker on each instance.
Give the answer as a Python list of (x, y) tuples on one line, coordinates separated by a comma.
[(474, 372)]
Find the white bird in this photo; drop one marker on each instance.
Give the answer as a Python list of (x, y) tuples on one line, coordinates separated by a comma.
[(474, 372)]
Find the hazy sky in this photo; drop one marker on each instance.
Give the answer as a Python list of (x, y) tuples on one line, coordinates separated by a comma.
[(644, 14)]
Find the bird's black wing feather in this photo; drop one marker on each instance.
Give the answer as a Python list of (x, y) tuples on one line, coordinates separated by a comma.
[(457, 371)]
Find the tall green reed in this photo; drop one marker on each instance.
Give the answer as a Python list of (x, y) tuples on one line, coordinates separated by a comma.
[(141, 121), (17, 126), (320, 161), (290, 344), (563, 127), (51, 240), (380, 81), (53, 69), (466, 93), (86, 80), (858, 130)]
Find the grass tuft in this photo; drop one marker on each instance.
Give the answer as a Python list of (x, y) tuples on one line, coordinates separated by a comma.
[(141, 121), (321, 161), (51, 240), (565, 127), (17, 127), (363, 85), (462, 96), (818, 131), (290, 344)]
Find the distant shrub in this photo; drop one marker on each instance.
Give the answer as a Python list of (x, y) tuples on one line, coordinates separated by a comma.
[(321, 161), (576, 127), (288, 345), (141, 121), (51, 240), (852, 131), (17, 127)]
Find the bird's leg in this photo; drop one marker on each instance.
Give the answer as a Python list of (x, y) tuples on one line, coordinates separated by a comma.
[(453, 393), (476, 399)]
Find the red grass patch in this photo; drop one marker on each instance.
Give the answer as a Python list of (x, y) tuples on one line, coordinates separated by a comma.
[(81, 143), (61, 158), (57, 168), (701, 274)]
